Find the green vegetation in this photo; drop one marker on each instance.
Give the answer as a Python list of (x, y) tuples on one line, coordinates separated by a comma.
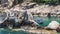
[(20, 1), (50, 2)]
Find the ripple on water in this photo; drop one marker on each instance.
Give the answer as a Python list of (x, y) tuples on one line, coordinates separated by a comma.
[(7, 31)]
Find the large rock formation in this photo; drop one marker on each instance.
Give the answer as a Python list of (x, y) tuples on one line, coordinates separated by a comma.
[(53, 25)]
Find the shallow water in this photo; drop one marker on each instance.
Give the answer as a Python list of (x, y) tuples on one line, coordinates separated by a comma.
[(46, 22), (7, 31)]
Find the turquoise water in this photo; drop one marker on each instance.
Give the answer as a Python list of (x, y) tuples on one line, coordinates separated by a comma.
[(7, 31), (18, 32), (46, 22)]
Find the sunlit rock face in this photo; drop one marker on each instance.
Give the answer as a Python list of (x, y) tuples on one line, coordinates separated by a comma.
[(10, 3), (28, 5), (53, 25)]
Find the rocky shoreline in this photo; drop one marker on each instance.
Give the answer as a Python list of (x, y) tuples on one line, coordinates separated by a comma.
[(36, 31), (32, 9)]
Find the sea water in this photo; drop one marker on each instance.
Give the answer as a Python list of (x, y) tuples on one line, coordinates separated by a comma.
[(45, 19), (8, 31)]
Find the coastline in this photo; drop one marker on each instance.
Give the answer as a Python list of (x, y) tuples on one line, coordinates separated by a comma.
[(36, 31)]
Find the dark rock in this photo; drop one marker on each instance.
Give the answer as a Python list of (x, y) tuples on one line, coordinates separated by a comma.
[(58, 29), (26, 22), (14, 23)]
